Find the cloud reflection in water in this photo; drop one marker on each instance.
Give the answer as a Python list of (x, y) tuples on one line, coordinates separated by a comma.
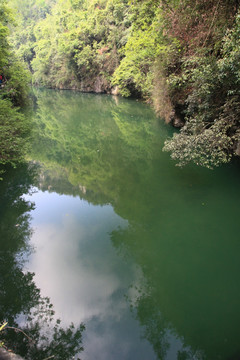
[(78, 268)]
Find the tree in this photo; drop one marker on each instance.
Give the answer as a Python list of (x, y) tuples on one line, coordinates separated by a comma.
[(210, 135), (13, 92)]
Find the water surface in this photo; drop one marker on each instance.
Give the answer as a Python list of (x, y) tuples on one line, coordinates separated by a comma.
[(145, 254)]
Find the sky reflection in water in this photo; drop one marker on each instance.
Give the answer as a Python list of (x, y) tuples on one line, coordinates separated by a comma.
[(175, 257), (78, 268)]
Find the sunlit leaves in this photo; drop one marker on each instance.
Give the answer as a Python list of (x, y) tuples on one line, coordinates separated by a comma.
[(210, 136), (145, 44)]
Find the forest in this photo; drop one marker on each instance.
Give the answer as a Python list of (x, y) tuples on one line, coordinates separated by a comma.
[(86, 178), (180, 56)]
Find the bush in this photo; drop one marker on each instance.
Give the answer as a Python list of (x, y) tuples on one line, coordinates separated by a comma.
[(211, 134)]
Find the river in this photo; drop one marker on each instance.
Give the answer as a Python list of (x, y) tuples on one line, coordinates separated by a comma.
[(102, 230)]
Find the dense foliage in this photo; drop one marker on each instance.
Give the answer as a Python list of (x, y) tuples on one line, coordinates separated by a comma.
[(206, 90), (181, 55), (75, 45), (13, 92)]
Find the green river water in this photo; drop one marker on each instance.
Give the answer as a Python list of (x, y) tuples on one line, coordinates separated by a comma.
[(102, 222)]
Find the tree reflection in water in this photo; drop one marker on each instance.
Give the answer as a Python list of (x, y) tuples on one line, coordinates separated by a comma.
[(182, 222), (21, 304), (187, 295)]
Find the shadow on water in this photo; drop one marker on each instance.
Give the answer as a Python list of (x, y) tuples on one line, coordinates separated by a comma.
[(40, 335), (183, 224)]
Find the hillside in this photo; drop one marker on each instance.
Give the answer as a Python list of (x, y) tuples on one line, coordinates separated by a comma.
[(181, 56)]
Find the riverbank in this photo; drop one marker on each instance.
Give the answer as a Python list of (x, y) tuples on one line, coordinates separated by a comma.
[(182, 57)]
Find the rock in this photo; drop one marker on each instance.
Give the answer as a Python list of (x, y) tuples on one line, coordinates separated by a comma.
[(115, 90), (7, 355), (237, 151), (176, 121)]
